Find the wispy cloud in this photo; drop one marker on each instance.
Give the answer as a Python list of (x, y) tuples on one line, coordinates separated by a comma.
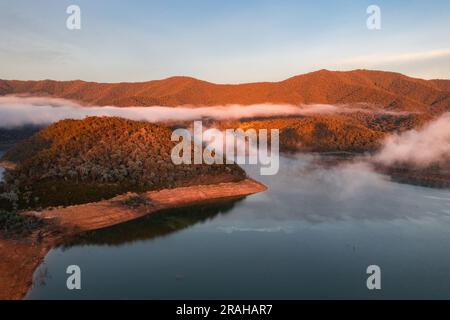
[(398, 58)]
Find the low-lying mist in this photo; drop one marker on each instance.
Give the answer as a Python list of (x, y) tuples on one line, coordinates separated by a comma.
[(420, 148), (17, 111)]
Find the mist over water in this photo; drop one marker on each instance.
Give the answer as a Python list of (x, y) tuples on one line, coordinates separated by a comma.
[(420, 148), (348, 190)]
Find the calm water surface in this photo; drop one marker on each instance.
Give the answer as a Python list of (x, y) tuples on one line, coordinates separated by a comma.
[(312, 235)]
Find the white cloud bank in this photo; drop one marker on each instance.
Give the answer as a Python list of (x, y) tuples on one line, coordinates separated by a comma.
[(421, 148), (16, 111)]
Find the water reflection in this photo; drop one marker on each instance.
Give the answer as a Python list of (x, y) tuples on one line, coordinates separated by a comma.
[(156, 225)]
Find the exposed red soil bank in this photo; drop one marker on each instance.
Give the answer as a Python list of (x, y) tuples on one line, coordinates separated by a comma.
[(107, 213), (18, 260)]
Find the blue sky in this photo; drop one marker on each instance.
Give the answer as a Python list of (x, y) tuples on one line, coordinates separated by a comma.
[(221, 41)]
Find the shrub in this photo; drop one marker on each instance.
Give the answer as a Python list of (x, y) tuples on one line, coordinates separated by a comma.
[(13, 224)]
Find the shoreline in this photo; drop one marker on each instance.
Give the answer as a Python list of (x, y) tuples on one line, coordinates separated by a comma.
[(20, 258), (106, 213)]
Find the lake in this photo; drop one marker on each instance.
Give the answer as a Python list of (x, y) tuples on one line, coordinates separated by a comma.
[(312, 235)]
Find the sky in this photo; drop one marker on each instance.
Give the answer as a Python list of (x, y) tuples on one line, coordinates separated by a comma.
[(231, 41)]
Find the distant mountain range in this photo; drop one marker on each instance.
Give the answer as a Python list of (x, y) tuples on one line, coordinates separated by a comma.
[(388, 90)]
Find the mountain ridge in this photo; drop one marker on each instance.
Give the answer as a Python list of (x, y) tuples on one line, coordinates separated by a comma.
[(388, 90)]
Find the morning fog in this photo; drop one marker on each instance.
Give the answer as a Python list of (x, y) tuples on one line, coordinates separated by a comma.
[(213, 146)]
